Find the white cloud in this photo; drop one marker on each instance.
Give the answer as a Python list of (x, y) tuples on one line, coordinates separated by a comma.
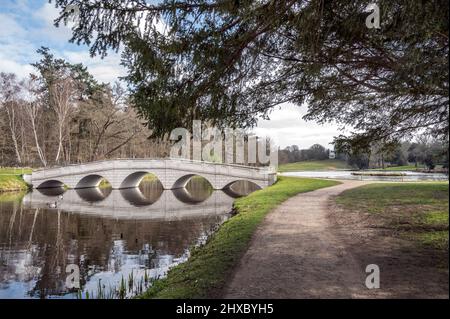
[(107, 69), (23, 31), (10, 66), (287, 127), (9, 27), (14, 50), (46, 15)]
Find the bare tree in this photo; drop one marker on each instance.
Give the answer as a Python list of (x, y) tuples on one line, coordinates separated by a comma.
[(61, 93), (9, 89), (111, 125), (32, 106), (56, 116)]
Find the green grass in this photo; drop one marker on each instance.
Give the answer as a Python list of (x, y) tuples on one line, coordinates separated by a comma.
[(14, 171), (209, 267), (437, 239), (12, 183), (417, 211), (313, 166), (11, 180)]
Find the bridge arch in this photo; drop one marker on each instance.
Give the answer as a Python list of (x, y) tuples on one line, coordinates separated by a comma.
[(184, 180), (89, 181), (52, 183), (134, 179), (248, 186), (184, 196), (53, 191), (135, 197), (93, 195)]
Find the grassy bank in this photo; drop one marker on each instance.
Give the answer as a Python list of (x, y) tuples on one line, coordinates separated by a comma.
[(416, 211), (11, 180), (313, 166), (209, 267)]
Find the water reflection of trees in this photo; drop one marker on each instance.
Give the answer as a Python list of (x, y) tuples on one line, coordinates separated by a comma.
[(37, 244)]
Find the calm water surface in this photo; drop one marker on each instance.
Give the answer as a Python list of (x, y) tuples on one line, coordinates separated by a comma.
[(117, 238)]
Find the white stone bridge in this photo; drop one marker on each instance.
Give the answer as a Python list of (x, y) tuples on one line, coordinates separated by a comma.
[(128, 173)]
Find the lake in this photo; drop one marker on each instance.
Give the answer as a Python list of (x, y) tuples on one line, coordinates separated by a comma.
[(119, 240)]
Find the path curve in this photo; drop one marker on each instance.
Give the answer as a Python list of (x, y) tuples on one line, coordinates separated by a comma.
[(294, 253)]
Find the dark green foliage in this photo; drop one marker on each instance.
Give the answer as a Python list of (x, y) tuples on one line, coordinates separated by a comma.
[(429, 153), (229, 61), (359, 160), (52, 70)]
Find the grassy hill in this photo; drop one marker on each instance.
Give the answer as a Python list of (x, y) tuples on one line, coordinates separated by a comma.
[(324, 165)]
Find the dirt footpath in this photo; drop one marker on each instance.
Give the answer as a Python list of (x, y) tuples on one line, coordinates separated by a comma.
[(299, 251)]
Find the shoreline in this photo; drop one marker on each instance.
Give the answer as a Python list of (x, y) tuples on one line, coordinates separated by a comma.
[(206, 273), (12, 183)]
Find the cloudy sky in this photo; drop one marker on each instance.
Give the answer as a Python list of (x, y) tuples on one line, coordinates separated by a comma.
[(26, 25)]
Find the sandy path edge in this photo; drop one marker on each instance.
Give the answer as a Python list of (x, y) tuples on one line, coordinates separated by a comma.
[(294, 254)]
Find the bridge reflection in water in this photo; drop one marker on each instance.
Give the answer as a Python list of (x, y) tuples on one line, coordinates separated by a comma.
[(109, 234), (146, 202)]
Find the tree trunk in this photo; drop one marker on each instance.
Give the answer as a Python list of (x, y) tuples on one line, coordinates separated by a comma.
[(60, 136), (38, 147), (12, 127)]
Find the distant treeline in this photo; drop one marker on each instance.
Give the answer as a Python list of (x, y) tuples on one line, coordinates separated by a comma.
[(424, 151), (292, 154)]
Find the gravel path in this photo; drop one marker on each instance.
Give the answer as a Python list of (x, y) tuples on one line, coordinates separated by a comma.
[(296, 254)]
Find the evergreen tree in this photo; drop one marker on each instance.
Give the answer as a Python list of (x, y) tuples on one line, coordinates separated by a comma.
[(230, 61)]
